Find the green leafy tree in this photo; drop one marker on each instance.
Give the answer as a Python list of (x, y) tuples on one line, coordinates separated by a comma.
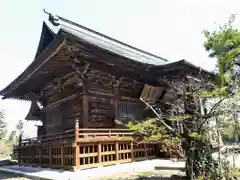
[(224, 45), (188, 114)]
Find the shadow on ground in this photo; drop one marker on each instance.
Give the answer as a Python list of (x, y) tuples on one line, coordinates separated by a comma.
[(173, 177), (11, 176)]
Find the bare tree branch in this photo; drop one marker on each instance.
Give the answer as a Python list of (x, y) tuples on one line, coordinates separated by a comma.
[(213, 108), (160, 119)]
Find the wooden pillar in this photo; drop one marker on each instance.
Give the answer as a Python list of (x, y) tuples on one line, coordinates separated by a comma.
[(81, 69), (50, 154), (76, 131), (77, 145), (85, 110), (132, 151), (62, 154), (116, 85), (99, 152), (117, 150), (145, 149), (40, 154)]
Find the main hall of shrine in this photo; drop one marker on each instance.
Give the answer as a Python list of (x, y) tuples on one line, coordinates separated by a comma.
[(89, 85)]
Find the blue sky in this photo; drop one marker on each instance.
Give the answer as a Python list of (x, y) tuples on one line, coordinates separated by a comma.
[(168, 28)]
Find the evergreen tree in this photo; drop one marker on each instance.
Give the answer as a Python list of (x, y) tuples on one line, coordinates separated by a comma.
[(223, 44)]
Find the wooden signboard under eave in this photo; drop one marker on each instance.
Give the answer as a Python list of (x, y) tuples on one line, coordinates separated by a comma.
[(151, 93)]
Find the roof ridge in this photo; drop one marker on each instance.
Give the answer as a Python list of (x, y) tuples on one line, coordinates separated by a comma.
[(55, 21)]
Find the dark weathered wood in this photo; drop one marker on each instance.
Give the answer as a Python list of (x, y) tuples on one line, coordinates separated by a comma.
[(92, 94), (116, 100), (50, 154), (85, 110), (40, 154), (57, 103), (145, 149), (92, 82), (62, 154)]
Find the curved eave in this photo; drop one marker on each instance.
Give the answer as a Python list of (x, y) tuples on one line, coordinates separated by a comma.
[(34, 112), (50, 43), (181, 65), (47, 37), (33, 68)]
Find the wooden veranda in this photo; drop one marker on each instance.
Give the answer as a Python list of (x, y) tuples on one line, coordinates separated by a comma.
[(84, 148)]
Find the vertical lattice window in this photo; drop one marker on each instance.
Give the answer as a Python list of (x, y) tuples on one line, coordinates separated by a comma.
[(129, 111), (53, 120)]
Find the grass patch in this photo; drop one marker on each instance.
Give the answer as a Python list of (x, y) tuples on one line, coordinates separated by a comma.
[(145, 174)]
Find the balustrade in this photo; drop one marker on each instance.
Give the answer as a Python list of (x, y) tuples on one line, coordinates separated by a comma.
[(83, 148)]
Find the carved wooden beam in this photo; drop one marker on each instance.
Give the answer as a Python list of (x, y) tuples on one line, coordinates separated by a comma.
[(57, 103), (172, 82), (58, 84), (81, 69), (116, 84)]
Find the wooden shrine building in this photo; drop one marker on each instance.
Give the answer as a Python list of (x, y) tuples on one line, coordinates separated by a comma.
[(89, 86)]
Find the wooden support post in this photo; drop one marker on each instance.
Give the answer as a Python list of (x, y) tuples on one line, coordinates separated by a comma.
[(85, 110), (77, 156), (62, 154), (99, 152), (116, 105), (157, 150), (117, 150), (76, 135), (50, 153), (116, 85), (81, 69), (132, 151), (77, 145), (40, 154), (145, 149)]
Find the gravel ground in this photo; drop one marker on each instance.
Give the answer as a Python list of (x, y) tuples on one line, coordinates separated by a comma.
[(155, 175)]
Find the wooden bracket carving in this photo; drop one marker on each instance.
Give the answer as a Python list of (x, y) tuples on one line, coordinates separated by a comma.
[(73, 49), (57, 84), (116, 81), (81, 69)]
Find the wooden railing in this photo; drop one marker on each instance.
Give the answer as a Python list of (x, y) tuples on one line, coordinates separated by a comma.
[(83, 148), (66, 135), (105, 134)]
